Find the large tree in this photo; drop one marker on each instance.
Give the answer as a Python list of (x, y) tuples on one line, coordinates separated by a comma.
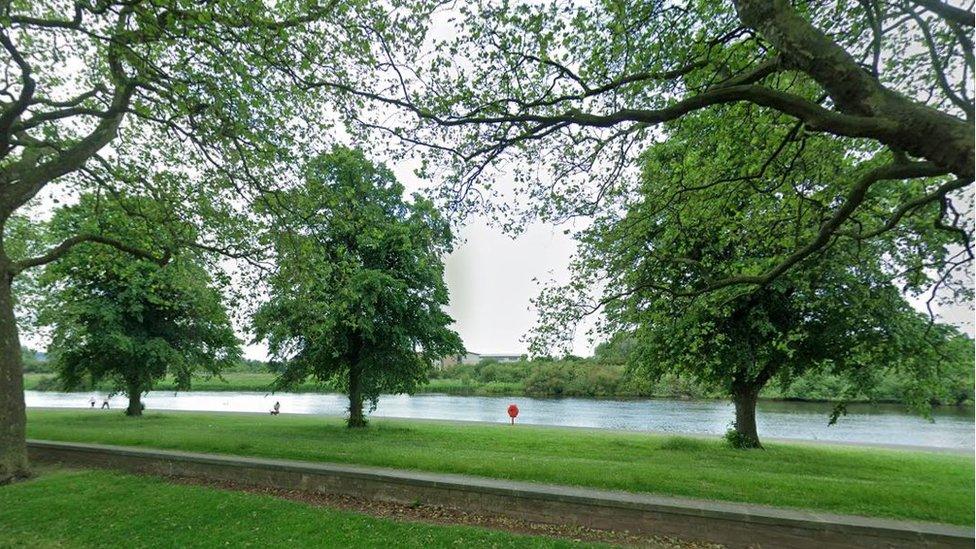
[(358, 292), (589, 86), (130, 321), (101, 95), (709, 207)]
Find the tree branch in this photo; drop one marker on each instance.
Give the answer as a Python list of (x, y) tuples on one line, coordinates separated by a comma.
[(901, 211), (951, 14), (63, 248), (13, 111), (816, 117), (854, 198)]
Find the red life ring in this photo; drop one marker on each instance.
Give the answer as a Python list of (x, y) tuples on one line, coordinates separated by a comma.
[(513, 412)]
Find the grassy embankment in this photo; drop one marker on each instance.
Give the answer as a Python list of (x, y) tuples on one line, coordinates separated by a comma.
[(102, 509), (864, 481)]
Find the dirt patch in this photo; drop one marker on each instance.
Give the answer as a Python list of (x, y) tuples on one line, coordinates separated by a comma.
[(433, 514)]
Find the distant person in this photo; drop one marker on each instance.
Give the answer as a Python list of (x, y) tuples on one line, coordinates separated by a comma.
[(277, 409), (105, 404), (92, 401)]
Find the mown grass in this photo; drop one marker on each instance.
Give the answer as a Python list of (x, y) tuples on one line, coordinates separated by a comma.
[(864, 481), (65, 508)]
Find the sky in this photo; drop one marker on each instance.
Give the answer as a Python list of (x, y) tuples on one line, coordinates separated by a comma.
[(492, 279)]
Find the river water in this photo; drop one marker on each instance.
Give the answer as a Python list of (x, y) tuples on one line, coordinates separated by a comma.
[(871, 424)]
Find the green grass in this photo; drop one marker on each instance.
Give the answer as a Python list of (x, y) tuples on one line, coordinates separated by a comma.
[(864, 481), (103, 509)]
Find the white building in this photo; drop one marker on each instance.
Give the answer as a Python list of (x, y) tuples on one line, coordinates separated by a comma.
[(476, 358)]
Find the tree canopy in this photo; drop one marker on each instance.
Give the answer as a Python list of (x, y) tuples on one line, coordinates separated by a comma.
[(358, 292), (590, 86), (130, 321), (645, 264)]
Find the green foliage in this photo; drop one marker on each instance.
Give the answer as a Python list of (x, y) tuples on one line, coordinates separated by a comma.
[(617, 349), (541, 377), (951, 385), (249, 366), (613, 378), (358, 292), (588, 86), (129, 321)]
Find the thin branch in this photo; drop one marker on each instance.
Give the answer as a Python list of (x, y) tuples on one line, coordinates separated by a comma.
[(905, 208)]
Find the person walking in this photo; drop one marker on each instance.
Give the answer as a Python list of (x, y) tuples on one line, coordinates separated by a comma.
[(105, 404), (91, 401)]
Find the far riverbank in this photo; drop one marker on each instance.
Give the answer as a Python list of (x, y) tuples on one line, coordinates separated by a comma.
[(263, 382)]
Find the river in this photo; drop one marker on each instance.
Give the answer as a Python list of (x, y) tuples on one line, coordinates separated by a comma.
[(867, 424)]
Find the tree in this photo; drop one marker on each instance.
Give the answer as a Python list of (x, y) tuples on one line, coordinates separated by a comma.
[(652, 259), (842, 326), (105, 95), (590, 86), (128, 320), (358, 292)]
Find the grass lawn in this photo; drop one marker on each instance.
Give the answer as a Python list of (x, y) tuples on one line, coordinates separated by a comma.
[(64, 508), (864, 481)]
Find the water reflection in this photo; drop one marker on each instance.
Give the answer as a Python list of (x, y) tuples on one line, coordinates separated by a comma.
[(878, 424)]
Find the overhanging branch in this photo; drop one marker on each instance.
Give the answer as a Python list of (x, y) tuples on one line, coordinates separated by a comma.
[(64, 247)]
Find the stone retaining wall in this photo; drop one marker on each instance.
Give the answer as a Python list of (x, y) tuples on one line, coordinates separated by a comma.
[(735, 525)]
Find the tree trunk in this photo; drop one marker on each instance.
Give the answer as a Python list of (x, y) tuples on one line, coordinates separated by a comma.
[(744, 398), (13, 417), (134, 392), (356, 419)]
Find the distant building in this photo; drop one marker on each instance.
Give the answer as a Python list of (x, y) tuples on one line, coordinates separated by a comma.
[(476, 358), (502, 358)]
